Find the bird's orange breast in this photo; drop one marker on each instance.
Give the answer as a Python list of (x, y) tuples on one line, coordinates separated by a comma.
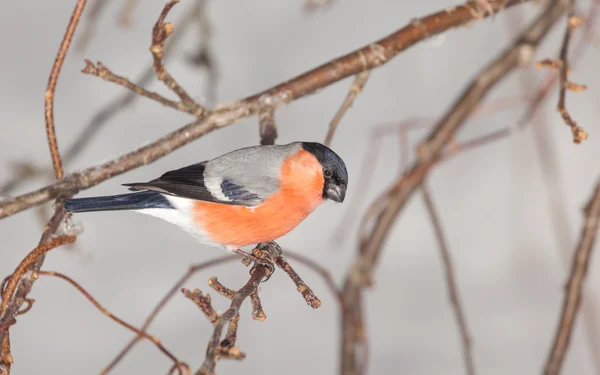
[(300, 192)]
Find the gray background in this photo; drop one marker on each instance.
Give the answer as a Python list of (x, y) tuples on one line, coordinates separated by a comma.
[(492, 201)]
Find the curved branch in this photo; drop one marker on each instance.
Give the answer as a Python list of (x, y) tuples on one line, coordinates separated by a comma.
[(49, 97), (369, 57)]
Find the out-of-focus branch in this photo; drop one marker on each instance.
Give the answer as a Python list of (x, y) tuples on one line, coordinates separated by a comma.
[(551, 171), (461, 319), (126, 15), (49, 97), (204, 55), (366, 58), (357, 86), (574, 288), (428, 152), (89, 26), (163, 302), (181, 367)]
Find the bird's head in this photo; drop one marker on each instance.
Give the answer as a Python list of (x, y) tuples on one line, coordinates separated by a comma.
[(334, 171)]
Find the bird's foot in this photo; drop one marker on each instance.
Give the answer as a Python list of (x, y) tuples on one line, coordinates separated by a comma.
[(264, 255)]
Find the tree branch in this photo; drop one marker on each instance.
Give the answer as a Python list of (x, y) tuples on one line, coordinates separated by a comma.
[(160, 33), (428, 152), (357, 86), (461, 319), (181, 367), (574, 288), (579, 134), (49, 97), (21, 281), (366, 58)]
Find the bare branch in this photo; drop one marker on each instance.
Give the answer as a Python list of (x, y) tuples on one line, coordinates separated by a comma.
[(49, 97), (220, 288), (305, 290), (26, 171), (160, 33), (215, 349), (182, 367), (99, 70), (366, 58), (461, 319), (257, 310), (574, 288), (163, 302), (18, 286), (428, 152), (320, 270), (573, 21), (203, 302), (357, 86)]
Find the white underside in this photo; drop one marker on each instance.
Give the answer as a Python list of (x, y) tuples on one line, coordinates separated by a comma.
[(182, 216)]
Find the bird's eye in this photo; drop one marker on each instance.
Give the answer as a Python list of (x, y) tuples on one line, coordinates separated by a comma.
[(327, 173)]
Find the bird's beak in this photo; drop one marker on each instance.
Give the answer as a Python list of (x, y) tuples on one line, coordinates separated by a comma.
[(336, 193)]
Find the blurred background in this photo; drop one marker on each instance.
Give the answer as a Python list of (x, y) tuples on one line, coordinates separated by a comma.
[(495, 201)]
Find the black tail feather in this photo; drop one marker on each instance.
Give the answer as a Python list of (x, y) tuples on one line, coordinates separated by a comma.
[(133, 201)]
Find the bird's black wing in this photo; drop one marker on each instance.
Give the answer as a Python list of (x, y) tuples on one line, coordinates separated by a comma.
[(188, 182)]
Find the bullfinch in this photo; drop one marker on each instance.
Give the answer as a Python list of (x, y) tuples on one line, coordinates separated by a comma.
[(245, 197)]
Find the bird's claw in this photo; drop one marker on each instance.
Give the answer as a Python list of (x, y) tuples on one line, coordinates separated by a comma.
[(261, 256)]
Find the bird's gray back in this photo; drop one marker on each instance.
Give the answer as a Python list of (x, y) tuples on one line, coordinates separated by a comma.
[(255, 169)]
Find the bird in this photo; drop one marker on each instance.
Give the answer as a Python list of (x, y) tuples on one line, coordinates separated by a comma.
[(248, 196)]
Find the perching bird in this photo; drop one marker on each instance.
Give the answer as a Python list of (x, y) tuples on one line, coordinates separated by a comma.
[(245, 197)]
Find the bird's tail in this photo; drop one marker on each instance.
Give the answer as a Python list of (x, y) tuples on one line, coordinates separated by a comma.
[(132, 201)]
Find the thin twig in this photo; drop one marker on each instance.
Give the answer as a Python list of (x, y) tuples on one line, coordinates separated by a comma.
[(231, 335), (204, 55), (574, 288), (267, 126), (163, 302), (307, 293), (579, 134), (25, 171), (257, 310), (214, 348), (357, 86), (429, 151), (203, 301), (214, 283), (160, 33), (49, 97), (311, 264), (459, 314), (366, 58), (12, 300), (551, 171), (26, 264), (182, 367), (99, 70)]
